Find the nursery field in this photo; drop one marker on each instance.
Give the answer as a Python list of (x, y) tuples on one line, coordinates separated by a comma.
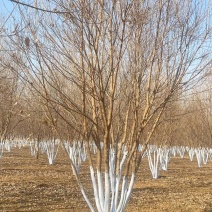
[(27, 184)]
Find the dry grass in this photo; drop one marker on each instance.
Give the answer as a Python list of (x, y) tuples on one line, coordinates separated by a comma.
[(27, 184)]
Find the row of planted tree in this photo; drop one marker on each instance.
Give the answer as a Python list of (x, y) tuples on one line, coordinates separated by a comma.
[(158, 159), (158, 156), (120, 74)]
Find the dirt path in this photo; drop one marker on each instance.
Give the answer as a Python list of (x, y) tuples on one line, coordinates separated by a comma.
[(27, 184)]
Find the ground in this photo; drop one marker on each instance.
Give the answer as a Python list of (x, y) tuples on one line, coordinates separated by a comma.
[(28, 184)]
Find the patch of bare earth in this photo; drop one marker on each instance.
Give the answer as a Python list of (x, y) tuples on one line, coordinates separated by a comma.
[(27, 184)]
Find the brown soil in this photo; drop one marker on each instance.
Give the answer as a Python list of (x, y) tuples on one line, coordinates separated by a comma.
[(27, 184)]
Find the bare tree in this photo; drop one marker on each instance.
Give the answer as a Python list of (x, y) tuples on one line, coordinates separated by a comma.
[(108, 69)]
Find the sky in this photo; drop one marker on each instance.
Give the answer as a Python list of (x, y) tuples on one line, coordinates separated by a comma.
[(8, 15), (7, 11), (6, 7)]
